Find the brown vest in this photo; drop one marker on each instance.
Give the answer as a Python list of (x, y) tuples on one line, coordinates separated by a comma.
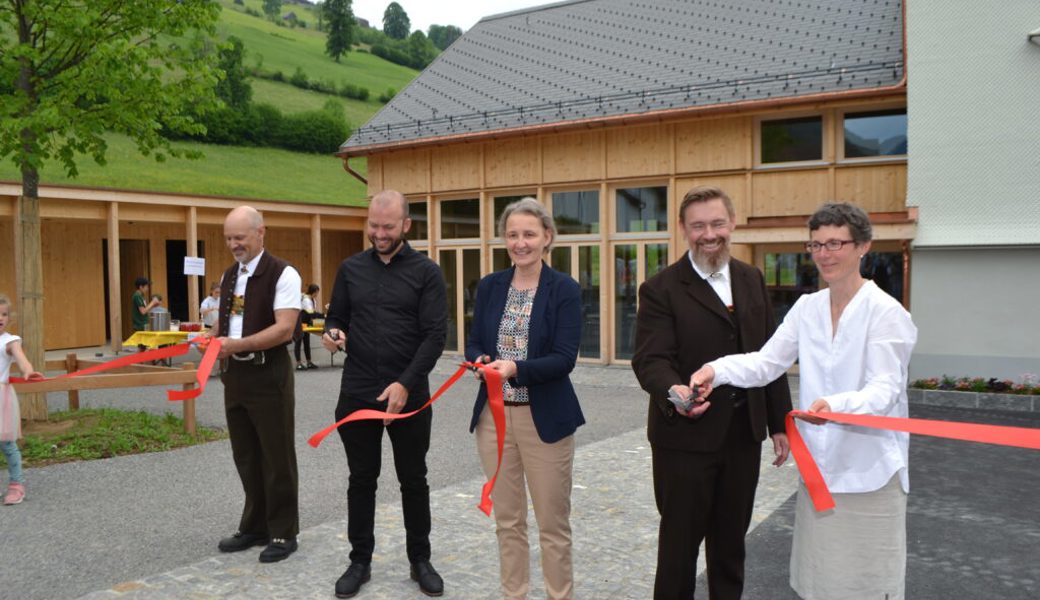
[(260, 292)]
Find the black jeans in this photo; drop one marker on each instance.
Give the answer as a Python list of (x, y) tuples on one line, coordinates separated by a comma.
[(362, 440), (305, 341)]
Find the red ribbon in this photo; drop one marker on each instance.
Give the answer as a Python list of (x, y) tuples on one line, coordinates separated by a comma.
[(497, 407), (1019, 437), (202, 374)]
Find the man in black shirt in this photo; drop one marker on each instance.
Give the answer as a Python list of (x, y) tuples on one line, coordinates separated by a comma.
[(388, 311)]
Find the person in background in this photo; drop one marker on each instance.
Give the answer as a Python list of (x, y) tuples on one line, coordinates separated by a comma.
[(10, 416), (139, 314), (210, 308), (853, 343), (527, 326), (302, 338)]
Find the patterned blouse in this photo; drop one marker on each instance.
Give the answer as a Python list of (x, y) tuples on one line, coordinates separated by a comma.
[(513, 332)]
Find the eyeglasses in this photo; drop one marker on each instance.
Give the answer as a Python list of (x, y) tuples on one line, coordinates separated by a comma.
[(831, 245)]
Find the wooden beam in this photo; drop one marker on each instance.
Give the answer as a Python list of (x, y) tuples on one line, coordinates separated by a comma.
[(100, 382)]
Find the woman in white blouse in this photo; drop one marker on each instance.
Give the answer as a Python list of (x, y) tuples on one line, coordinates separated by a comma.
[(853, 343)]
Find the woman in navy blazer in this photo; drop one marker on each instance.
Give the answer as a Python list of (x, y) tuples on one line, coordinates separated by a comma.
[(527, 326)]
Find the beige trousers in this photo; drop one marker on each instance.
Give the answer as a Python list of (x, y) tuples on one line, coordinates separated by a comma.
[(547, 469)]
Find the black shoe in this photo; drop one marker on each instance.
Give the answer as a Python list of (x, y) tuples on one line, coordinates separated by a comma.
[(430, 583), (278, 549), (311, 365), (241, 541), (350, 582), (301, 367)]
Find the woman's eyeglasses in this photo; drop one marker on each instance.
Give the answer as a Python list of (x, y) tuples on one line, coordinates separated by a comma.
[(830, 245)]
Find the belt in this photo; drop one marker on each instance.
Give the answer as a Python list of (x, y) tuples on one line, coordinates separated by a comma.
[(251, 358), (515, 403)]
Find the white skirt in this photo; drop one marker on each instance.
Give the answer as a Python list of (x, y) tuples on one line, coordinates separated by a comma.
[(855, 551)]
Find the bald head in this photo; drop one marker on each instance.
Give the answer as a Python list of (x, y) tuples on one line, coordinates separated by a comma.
[(390, 199), (244, 233)]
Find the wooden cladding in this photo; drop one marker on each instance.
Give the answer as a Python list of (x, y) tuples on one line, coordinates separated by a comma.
[(719, 150)]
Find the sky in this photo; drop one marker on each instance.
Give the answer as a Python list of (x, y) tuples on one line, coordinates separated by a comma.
[(423, 13)]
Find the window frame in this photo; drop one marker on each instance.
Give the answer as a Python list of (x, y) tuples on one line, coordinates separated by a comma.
[(839, 134), (826, 145)]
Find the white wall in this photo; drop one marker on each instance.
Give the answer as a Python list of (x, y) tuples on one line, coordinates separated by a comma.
[(977, 312), (974, 121)]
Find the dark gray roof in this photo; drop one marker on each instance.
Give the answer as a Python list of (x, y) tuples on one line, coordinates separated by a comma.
[(590, 59)]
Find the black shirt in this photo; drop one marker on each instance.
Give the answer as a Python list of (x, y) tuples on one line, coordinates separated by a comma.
[(394, 315)]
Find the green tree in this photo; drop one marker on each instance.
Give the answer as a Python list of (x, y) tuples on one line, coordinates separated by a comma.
[(420, 51), (71, 71), (396, 23), (234, 88), (272, 8), (339, 19), (442, 36)]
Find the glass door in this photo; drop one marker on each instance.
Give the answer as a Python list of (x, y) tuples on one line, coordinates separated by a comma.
[(634, 263), (582, 262), (461, 269)]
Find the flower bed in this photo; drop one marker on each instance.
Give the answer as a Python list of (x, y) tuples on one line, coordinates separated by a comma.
[(977, 392)]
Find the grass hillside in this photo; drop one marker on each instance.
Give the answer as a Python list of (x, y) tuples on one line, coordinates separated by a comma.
[(264, 173)]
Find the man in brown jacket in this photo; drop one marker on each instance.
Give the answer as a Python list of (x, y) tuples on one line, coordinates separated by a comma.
[(705, 456)]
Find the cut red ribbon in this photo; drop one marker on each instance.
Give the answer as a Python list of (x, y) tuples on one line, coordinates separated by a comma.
[(202, 375), (495, 404), (1000, 435)]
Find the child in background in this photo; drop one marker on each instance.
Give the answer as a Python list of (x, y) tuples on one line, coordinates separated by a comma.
[(10, 416)]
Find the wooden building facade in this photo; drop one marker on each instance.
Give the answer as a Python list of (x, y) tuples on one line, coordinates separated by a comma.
[(88, 279), (615, 190)]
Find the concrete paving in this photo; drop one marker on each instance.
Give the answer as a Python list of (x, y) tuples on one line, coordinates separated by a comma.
[(146, 526)]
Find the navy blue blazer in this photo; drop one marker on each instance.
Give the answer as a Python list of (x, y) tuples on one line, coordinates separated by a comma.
[(552, 348)]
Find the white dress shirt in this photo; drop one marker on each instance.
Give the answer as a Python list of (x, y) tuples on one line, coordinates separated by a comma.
[(860, 369), (287, 292)]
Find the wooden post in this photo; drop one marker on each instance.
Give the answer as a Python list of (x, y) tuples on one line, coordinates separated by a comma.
[(115, 303), (316, 260), (71, 365), (189, 404)]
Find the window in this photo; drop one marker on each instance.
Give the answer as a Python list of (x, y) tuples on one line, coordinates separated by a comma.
[(576, 212), (642, 209), (788, 275), (789, 140), (501, 202), (420, 221), (460, 219), (878, 133)]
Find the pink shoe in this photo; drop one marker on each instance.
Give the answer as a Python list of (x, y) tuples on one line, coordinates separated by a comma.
[(15, 494)]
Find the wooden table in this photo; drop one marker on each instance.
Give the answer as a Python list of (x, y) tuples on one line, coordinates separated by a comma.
[(158, 339)]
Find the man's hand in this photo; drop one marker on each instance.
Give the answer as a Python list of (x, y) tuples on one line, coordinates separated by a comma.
[(227, 347), (818, 406), (333, 340), (781, 448), (701, 382), (395, 395), (696, 409)]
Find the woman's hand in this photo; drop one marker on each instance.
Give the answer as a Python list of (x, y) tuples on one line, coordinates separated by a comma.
[(818, 406), (701, 383), (505, 368), (478, 373)]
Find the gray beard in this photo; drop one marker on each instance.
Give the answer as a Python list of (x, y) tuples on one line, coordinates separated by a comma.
[(710, 264)]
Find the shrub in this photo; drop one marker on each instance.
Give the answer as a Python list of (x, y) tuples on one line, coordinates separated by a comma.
[(253, 12), (1028, 386), (387, 96), (299, 79), (349, 90), (314, 131)]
